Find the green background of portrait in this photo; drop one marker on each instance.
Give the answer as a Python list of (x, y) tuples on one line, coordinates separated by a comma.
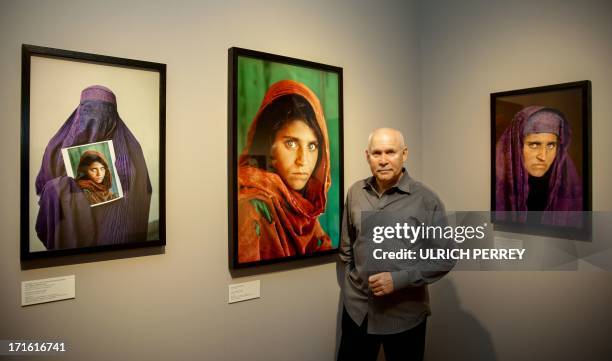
[(255, 77), (104, 148)]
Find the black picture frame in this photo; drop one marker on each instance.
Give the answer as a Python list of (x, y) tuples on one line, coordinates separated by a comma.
[(294, 65), (572, 101), (40, 65)]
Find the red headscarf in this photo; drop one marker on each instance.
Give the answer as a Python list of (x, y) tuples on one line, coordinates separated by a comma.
[(296, 229)]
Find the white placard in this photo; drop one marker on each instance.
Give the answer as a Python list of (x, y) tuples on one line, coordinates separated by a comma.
[(47, 290), (243, 291)]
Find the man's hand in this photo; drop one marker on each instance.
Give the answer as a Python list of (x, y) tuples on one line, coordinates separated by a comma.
[(381, 283)]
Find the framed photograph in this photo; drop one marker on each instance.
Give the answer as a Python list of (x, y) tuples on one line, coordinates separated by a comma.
[(541, 160), (285, 158), (92, 153)]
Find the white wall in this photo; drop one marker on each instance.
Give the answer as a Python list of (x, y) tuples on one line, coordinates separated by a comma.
[(470, 49), (174, 305)]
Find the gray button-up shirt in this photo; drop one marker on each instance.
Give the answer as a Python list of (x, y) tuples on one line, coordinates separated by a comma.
[(408, 304)]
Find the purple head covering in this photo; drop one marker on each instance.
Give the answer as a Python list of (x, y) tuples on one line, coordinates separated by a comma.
[(98, 92), (512, 180), (65, 218), (543, 121)]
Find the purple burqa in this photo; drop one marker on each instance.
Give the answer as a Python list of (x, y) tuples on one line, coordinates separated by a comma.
[(564, 199), (65, 218)]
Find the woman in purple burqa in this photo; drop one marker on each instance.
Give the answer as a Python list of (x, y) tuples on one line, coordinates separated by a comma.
[(526, 180), (65, 217)]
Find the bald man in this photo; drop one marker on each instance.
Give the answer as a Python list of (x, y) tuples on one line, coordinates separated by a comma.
[(388, 308)]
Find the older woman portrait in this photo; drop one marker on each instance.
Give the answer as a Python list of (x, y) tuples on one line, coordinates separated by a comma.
[(284, 176), (534, 171), (94, 177)]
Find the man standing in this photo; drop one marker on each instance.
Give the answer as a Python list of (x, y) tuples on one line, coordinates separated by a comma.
[(388, 308)]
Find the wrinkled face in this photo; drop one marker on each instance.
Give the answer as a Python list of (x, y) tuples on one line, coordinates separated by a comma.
[(386, 154), (96, 172), (294, 152), (539, 152)]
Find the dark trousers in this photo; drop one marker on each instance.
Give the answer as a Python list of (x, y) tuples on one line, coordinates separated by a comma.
[(356, 344)]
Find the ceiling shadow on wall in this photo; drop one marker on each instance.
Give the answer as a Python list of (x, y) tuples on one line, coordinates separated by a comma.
[(452, 332), (91, 257)]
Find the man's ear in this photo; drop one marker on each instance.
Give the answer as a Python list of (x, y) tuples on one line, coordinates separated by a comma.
[(405, 154)]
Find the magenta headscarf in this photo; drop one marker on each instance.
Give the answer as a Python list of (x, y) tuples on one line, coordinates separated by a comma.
[(512, 179)]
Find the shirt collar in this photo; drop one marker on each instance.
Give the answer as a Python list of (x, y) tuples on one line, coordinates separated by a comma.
[(403, 184)]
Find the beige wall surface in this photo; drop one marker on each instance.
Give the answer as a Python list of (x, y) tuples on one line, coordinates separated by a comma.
[(470, 49), (174, 305)]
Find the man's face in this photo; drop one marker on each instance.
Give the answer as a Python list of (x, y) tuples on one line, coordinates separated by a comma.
[(539, 152), (385, 155)]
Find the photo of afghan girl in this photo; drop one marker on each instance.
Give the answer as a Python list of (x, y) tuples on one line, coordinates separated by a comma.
[(95, 178), (283, 177), (93, 160), (286, 161), (93, 173), (540, 160)]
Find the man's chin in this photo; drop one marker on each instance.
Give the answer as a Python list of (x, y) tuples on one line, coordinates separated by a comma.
[(384, 177)]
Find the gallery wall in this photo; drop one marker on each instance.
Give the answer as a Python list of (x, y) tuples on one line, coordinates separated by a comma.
[(172, 304), (470, 49), (426, 68)]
